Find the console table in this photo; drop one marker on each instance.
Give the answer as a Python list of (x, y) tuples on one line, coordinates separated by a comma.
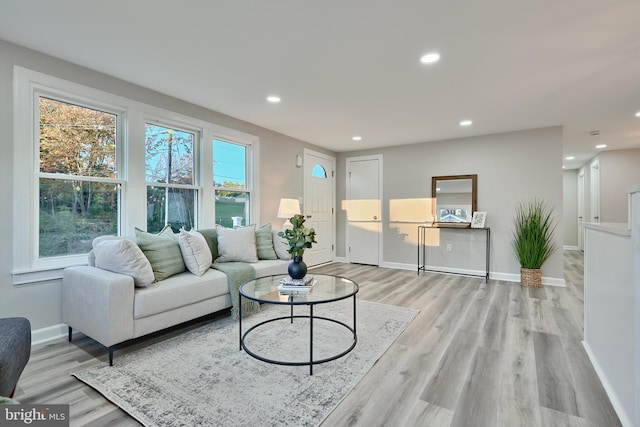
[(422, 249)]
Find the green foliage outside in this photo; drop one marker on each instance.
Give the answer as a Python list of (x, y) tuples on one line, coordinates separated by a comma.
[(225, 209), (67, 230), (75, 142), (533, 234)]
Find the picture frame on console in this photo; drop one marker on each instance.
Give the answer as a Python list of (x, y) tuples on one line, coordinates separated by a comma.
[(478, 219)]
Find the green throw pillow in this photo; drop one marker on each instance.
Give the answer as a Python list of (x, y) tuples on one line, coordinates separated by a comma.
[(162, 251), (264, 243), (211, 236)]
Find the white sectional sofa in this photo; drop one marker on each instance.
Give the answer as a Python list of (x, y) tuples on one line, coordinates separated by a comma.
[(114, 306)]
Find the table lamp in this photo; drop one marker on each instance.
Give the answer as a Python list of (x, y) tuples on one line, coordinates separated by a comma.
[(287, 209)]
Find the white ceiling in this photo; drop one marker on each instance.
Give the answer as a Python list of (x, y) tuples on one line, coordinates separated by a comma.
[(351, 67)]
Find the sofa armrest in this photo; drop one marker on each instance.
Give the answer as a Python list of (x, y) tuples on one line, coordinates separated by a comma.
[(98, 303)]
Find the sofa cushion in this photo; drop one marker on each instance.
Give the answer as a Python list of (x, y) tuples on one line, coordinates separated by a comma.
[(281, 246), (270, 267), (211, 236), (162, 251), (237, 244), (195, 252), (125, 257), (91, 257), (178, 291), (264, 243)]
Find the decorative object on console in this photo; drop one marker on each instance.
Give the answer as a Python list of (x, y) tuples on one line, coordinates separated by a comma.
[(478, 220), (287, 209), (299, 238), (454, 199), (533, 239)]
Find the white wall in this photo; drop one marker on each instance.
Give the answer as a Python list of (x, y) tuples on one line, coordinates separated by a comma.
[(612, 309), (570, 208), (41, 302), (511, 167), (619, 169)]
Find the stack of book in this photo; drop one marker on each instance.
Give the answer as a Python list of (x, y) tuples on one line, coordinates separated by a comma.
[(289, 284)]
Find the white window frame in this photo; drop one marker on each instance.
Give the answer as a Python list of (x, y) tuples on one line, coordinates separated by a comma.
[(132, 116), (29, 86), (249, 176), (252, 144), (185, 125)]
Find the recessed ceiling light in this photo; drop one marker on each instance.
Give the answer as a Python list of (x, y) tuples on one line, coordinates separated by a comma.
[(466, 123), (601, 146), (569, 158), (274, 99), (430, 58), (638, 114), (562, 166), (357, 138)]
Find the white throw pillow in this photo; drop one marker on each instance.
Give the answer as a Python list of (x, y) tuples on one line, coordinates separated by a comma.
[(125, 257), (237, 244), (195, 252), (281, 245)]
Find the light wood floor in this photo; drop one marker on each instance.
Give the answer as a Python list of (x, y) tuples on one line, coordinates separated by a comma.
[(477, 354)]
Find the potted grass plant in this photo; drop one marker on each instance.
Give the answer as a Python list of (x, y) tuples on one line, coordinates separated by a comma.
[(533, 239), (299, 238)]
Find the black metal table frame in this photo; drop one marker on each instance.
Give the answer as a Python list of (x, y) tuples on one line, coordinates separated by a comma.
[(311, 318), (422, 248)]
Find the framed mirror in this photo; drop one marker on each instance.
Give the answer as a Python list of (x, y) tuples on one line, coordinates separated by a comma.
[(454, 199)]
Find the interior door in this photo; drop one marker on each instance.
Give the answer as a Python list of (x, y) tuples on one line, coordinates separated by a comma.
[(363, 206), (595, 191), (319, 205), (580, 210)]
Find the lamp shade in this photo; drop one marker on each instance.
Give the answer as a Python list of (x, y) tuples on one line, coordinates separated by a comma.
[(288, 208)]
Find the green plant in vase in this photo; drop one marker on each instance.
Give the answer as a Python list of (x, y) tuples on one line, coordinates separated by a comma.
[(533, 239), (299, 238)]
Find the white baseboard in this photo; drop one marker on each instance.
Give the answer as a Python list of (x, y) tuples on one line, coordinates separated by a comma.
[(507, 277), (341, 259), (625, 420), (50, 333), (399, 266), (510, 277), (570, 248)]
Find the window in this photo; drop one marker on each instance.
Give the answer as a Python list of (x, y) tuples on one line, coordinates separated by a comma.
[(232, 189), (91, 163), (169, 165), (318, 172), (77, 177)]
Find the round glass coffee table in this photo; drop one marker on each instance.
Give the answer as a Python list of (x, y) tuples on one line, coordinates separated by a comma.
[(326, 289)]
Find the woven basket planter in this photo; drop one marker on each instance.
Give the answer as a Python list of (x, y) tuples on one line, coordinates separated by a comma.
[(531, 278)]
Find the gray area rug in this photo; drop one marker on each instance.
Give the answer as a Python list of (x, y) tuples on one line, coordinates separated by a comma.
[(200, 378)]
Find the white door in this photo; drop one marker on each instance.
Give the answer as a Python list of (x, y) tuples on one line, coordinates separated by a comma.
[(319, 205), (363, 206), (580, 210), (595, 191)]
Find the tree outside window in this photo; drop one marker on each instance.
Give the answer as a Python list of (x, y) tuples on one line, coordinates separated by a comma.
[(77, 177), (171, 193)]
